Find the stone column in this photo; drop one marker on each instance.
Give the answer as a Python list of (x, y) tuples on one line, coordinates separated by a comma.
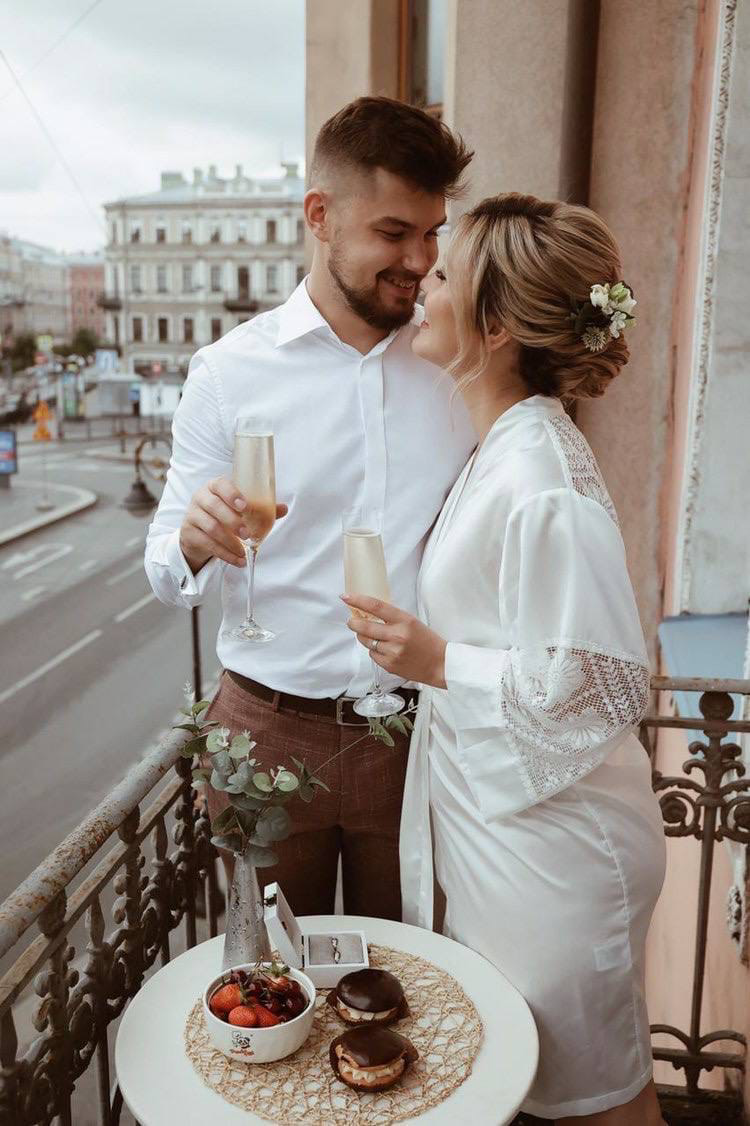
[(639, 180)]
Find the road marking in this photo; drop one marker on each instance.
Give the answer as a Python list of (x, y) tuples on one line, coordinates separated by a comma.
[(135, 540), (49, 665), (19, 557), (131, 570), (53, 554), (29, 594), (88, 564), (136, 606)]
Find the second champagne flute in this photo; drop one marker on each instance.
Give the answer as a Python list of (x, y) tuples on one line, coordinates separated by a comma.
[(365, 573), (254, 474)]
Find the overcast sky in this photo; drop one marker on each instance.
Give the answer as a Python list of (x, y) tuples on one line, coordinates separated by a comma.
[(141, 86)]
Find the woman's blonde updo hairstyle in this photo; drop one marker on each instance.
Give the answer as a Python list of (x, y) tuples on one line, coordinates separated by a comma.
[(523, 262)]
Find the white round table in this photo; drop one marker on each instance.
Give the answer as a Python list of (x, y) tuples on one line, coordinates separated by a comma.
[(161, 1088)]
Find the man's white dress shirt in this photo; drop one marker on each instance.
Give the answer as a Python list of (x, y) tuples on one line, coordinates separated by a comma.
[(378, 430)]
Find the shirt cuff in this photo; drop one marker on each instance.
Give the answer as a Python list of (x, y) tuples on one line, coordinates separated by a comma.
[(192, 587)]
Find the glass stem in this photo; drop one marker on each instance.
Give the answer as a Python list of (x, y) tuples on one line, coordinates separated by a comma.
[(252, 554), (376, 686)]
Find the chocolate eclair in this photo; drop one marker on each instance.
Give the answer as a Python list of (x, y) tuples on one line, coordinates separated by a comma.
[(369, 997), (371, 1059)]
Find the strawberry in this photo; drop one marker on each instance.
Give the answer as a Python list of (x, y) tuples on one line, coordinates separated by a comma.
[(265, 1017), (244, 1016), (226, 999)]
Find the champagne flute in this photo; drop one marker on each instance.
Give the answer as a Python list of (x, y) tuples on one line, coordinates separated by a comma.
[(365, 573), (254, 474)]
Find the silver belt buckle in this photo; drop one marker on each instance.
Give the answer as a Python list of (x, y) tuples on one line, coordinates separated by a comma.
[(340, 701)]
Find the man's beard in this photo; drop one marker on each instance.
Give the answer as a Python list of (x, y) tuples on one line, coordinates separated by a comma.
[(366, 302)]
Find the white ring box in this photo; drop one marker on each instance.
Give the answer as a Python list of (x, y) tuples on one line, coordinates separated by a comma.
[(315, 952)]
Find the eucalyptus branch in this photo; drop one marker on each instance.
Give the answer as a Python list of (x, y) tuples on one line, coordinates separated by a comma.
[(255, 817)]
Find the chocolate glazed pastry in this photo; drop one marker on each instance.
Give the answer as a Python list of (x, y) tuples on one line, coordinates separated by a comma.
[(369, 997), (371, 1059)]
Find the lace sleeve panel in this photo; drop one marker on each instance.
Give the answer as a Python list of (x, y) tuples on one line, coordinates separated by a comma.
[(561, 705), (578, 463)]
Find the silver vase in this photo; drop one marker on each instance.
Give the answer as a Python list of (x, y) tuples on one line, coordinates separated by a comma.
[(246, 939)]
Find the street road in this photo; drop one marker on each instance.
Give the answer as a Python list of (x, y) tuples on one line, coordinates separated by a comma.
[(91, 664)]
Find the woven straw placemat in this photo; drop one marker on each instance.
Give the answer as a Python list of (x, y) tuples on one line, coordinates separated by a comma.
[(444, 1027)]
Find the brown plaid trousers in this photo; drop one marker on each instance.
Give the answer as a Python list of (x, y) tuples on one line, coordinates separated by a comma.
[(358, 819)]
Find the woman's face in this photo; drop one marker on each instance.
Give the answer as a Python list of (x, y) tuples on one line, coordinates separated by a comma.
[(437, 339)]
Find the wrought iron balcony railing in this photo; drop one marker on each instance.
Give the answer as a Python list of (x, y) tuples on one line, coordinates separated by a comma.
[(157, 859), (111, 301)]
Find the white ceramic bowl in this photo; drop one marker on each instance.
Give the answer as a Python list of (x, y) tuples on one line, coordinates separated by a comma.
[(259, 1045)]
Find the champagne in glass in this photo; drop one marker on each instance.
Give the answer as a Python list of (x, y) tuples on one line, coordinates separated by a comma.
[(365, 573), (254, 474)]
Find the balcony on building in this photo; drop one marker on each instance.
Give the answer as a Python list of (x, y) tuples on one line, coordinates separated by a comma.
[(242, 303), (111, 301)]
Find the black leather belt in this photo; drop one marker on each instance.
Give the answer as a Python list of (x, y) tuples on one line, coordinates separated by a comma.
[(339, 711)]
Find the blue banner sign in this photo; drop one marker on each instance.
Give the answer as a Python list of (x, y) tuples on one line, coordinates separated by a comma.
[(8, 454)]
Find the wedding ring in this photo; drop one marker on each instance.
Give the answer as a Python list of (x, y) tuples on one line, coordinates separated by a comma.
[(375, 644)]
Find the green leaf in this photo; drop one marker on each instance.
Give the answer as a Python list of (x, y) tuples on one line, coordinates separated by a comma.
[(200, 707), (262, 782), (186, 727), (286, 781), (306, 792), (300, 765), (240, 746), (319, 783), (247, 820), (232, 842), (216, 741), (222, 763), (217, 781), (201, 775), (246, 802), (224, 820), (397, 722), (379, 732), (260, 856), (274, 824)]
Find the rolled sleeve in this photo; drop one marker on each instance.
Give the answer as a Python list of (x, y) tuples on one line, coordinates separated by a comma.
[(201, 450)]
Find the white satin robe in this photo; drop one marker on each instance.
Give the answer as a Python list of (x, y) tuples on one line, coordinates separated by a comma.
[(546, 837)]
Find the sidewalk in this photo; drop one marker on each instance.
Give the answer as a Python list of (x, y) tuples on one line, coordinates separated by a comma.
[(20, 512)]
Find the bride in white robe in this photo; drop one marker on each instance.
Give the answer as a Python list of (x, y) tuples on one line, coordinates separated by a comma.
[(528, 795)]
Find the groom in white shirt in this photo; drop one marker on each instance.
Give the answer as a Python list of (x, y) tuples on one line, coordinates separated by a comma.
[(358, 419)]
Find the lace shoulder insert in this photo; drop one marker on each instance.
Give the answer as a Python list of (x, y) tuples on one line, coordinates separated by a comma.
[(578, 462)]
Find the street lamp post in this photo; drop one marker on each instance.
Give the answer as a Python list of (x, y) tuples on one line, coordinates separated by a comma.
[(140, 501)]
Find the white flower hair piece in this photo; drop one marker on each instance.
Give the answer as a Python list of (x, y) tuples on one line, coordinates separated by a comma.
[(606, 313)]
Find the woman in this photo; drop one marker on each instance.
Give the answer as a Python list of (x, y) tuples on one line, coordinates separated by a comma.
[(547, 838)]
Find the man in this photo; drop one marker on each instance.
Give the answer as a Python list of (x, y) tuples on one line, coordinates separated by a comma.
[(358, 420)]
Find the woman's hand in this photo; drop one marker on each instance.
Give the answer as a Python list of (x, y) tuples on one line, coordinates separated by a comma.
[(406, 647)]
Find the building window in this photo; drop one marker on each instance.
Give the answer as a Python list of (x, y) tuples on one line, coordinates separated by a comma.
[(215, 328), (300, 274), (300, 230), (161, 279), (270, 230), (135, 232), (241, 230), (187, 279), (114, 232), (215, 232), (163, 330), (421, 45), (161, 233), (187, 330), (216, 279), (187, 232), (137, 329), (243, 281), (135, 279), (272, 278)]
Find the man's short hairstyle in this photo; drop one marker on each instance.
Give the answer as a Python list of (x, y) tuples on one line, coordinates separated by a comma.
[(372, 133)]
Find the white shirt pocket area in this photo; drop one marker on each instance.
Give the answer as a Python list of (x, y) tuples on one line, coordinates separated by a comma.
[(534, 718)]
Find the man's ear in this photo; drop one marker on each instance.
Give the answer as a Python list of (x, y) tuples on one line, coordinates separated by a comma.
[(315, 207), (497, 336)]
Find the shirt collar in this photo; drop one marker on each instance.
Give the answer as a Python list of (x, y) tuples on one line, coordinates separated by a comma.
[(298, 316)]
